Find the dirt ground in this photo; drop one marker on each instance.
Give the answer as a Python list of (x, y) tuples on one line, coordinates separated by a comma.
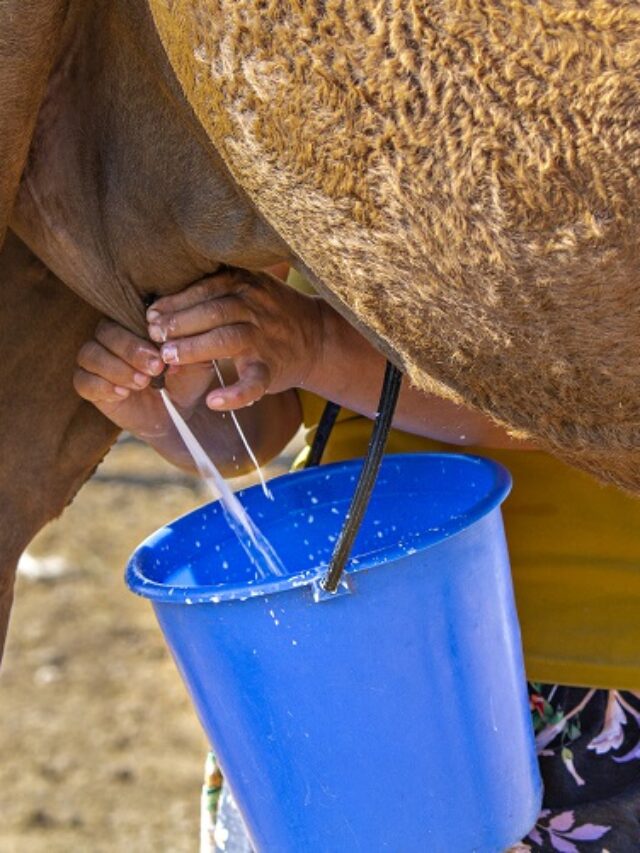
[(99, 747)]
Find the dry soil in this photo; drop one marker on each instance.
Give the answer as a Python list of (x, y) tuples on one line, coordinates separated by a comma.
[(99, 747)]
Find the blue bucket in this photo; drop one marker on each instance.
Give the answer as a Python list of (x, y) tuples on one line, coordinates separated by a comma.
[(390, 717)]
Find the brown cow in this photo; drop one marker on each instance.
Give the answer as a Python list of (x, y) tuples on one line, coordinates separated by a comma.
[(115, 191), (461, 179)]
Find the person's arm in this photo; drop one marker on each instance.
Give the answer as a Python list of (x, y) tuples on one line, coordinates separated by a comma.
[(350, 372), (114, 373), (279, 339)]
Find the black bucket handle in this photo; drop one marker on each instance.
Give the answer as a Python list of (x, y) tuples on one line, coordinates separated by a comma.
[(368, 475)]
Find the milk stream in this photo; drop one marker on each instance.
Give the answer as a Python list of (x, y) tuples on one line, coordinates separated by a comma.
[(255, 544), (243, 438)]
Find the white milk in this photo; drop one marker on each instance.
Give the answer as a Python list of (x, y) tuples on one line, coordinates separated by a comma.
[(257, 547)]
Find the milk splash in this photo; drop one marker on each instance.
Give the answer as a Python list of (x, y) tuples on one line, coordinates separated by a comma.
[(257, 547)]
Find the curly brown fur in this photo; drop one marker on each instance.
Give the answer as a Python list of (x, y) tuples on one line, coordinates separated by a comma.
[(464, 175)]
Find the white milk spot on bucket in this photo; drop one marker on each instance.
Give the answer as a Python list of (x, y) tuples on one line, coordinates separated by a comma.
[(294, 642), (188, 601), (215, 599), (492, 714), (335, 510), (310, 519)]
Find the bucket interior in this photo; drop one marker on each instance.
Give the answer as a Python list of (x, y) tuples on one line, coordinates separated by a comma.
[(418, 500)]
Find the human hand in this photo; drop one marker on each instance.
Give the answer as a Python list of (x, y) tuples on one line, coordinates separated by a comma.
[(271, 332), (114, 373)]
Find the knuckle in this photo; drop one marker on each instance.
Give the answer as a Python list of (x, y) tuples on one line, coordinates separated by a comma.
[(203, 289), (237, 337), (188, 349), (89, 354), (212, 344), (129, 351), (85, 385), (216, 312), (78, 381), (105, 329), (139, 355), (257, 389)]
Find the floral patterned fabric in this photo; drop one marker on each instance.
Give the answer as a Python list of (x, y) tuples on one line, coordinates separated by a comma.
[(589, 749)]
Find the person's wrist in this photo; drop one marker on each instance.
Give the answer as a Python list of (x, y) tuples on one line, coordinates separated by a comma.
[(327, 330)]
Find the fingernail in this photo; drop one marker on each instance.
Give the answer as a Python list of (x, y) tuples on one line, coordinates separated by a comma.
[(215, 402), (153, 316), (121, 392), (157, 334), (156, 366), (140, 379), (169, 354)]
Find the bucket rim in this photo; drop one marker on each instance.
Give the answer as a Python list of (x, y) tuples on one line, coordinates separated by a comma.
[(170, 593)]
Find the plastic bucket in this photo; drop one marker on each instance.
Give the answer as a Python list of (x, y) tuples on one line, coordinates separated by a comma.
[(394, 717)]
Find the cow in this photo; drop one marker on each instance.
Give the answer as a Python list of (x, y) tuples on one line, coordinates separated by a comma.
[(110, 191), (460, 180)]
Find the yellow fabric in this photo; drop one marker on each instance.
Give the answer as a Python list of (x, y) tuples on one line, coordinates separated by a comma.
[(575, 556)]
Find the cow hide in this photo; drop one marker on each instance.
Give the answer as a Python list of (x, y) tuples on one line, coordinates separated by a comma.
[(461, 179)]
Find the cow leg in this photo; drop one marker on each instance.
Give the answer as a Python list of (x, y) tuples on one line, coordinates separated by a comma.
[(50, 440)]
